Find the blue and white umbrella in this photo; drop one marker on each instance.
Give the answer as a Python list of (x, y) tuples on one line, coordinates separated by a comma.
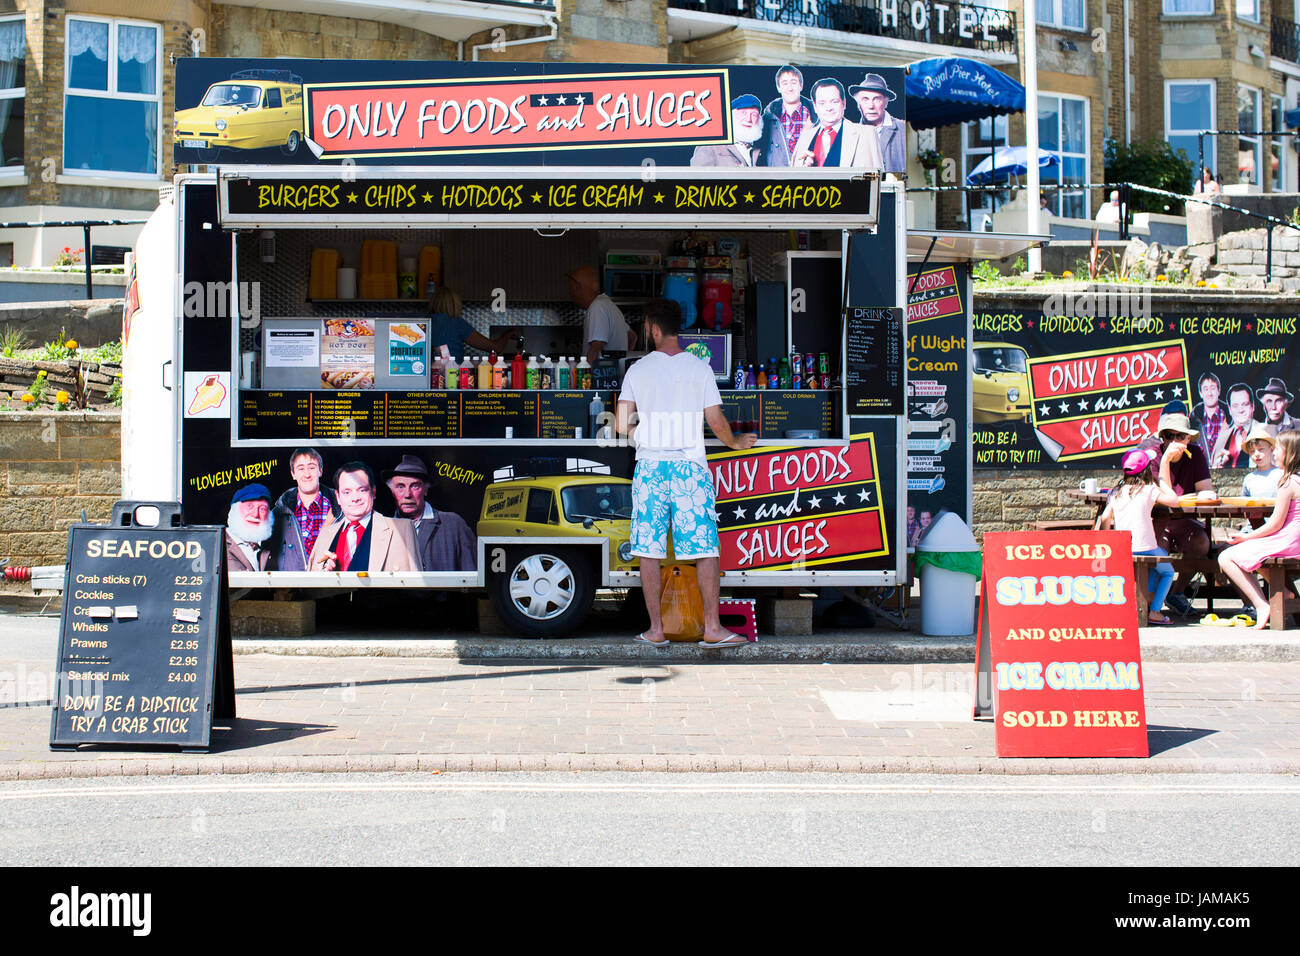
[(1005, 162)]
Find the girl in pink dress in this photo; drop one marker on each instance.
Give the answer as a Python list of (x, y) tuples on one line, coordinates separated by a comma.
[(1278, 537)]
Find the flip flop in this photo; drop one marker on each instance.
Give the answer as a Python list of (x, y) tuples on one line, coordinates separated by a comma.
[(1211, 620), (734, 641), (642, 639), (1243, 620)]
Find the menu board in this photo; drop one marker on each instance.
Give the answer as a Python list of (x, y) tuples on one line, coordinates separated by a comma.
[(440, 414), (873, 383), (560, 414), (488, 414), (772, 412), (275, 414), (144, 640), (422, 414), (348, 415), (781, 412)]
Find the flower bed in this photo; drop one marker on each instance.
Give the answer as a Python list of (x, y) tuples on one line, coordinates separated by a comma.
[(80, 382)]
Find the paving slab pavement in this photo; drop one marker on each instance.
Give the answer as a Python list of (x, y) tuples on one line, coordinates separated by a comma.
[(305, 711)]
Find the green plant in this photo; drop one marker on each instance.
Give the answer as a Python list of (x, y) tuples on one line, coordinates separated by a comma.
[(37, 388), (12, 341), (58, 350), (985, 271), (115, 391), (109, 352), (1019, 265), (1149, 163)]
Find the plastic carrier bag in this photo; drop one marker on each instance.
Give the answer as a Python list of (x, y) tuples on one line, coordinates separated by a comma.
[(680, 603)]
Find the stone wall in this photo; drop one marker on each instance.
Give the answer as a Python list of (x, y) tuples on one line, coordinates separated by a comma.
[(51, 467), (1009, 499)]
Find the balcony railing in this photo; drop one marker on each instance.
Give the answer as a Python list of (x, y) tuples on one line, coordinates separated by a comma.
[(1284, 37), (967, 26)]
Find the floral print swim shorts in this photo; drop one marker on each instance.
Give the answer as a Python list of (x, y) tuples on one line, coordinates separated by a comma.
[(677, 494)]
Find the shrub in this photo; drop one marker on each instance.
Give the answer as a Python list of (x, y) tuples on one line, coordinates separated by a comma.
[(1150, 163)]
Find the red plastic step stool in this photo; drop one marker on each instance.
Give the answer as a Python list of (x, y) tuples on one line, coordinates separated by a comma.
[(737, 614)]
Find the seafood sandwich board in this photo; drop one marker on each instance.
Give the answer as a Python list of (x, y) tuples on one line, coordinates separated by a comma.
[(145, 657)]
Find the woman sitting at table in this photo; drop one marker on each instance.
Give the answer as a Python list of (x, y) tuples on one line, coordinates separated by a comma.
[(1184, 468), (1129, 509), (1278, 537)]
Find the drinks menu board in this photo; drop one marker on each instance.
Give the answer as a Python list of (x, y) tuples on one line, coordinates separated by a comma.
[(287, 415), (771, 412), (874, 361), (144, 640)]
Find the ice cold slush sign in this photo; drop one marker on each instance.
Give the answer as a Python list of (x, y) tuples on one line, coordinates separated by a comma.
[(1059, 613)]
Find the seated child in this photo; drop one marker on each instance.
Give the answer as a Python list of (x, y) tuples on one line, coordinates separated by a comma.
[(1262, 482), (1129, 509)]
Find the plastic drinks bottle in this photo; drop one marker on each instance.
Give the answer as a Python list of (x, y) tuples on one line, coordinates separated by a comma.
[(784, 373), (761, 377), (751, 380), (499, 373), (518, 377), (562, 374), (585, 380), (482, 373), (547, 377), (532, 374), (466, 374), (738, 380)]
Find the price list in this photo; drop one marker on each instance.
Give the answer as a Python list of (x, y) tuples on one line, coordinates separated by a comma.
[(423, 415), (559, 414), (137, 644), (275, 414), (348, 415), (436, 414), (873, 382), (487, 414), (809, 410)]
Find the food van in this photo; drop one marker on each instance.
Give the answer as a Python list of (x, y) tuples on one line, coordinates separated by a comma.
[(279, 311)]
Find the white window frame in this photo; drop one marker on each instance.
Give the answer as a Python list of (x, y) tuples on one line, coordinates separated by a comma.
[(1058, 194), (1211, 146), (1276, 111), (1254, 141), (15, 93), (112, 91), (1056, 22), (1250, 18), (977, 153), (1165, 9)]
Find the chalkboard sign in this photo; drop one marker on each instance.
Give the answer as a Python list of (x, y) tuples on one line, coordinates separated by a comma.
[(144, 639), (873, 344)]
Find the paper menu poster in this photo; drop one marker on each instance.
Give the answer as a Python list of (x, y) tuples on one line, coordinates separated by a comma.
[(406, 345), (347, 354)]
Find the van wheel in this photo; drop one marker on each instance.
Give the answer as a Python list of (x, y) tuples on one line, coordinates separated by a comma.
[(291, 147), (543, 593)]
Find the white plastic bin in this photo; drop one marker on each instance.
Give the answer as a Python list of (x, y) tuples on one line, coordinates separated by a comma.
[(947, 597)]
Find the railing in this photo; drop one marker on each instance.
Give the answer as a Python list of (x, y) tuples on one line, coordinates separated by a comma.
[(530, 4), (85, 225), (1284, 38), (966, 26)]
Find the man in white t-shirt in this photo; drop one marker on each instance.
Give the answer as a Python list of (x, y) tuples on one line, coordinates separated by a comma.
[(672, 393), (604, 330)]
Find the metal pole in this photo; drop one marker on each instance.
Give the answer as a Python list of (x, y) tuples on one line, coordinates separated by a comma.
[(1268, 268), (90, 293), (1031, 133), (1123, 212), (1200, 157)]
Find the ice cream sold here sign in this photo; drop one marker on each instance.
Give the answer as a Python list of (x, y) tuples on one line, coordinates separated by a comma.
[(1059, 644)]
